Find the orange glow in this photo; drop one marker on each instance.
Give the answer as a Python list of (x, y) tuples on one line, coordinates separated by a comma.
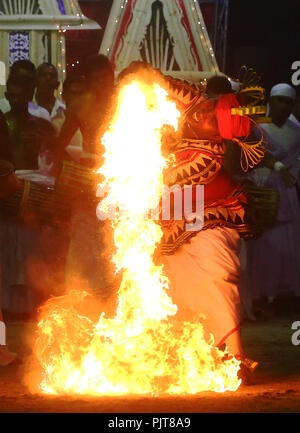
[(142, 349)]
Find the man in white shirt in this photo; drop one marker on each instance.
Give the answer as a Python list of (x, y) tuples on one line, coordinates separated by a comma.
[(274, 259), (294, 119), (47, 84), (295, 116)]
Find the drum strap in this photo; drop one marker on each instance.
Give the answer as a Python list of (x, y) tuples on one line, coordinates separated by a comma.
[(25, 194)]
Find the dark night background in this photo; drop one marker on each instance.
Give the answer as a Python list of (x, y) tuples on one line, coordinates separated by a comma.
[(263, 34)]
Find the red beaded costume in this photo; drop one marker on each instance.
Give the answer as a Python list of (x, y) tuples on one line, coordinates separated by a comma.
[(199, 154)]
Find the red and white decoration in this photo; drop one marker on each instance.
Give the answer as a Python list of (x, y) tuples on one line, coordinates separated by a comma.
[(169, 34)]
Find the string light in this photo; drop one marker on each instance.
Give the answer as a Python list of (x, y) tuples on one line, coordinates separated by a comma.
[(207, 45), (203, 34), (60, 53)]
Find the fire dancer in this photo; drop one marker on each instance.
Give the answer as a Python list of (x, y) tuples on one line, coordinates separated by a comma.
[(203, 266), (108, 354)]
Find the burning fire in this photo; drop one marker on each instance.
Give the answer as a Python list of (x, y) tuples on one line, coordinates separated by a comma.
[(142, 349)]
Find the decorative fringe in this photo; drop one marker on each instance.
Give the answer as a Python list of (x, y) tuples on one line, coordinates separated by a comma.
[(252, 152)]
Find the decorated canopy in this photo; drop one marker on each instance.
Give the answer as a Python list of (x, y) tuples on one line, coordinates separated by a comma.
[(35, 30), (169, 34)]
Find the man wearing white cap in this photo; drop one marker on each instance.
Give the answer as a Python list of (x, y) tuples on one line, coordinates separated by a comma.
[(274, 260), (281, 103)]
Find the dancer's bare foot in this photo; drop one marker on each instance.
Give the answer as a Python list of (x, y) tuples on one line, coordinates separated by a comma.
[(6, 357)]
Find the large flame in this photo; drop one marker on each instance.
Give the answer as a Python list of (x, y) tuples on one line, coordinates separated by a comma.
[(143, 348)]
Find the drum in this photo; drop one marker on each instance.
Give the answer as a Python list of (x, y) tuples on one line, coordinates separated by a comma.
[(35, 200), (76, 179), (263, 206), (8, 181)]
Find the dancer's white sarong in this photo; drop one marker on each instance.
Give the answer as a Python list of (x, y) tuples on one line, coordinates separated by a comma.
[(203, 280)]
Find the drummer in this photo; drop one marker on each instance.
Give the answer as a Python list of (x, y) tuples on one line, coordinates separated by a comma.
[(8, 184), (28, 133), (27, 249), (25, 68), (88, 109), (5, 148)]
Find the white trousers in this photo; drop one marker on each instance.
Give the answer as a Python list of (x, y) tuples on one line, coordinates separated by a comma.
[(203, 280)]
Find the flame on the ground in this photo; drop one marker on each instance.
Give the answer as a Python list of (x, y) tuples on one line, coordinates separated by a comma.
[(142, 349)]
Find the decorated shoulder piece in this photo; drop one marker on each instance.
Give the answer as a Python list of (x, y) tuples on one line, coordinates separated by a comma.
[(251, 93), (251, 86), (185, 94), (237, 127), (249, 110), (248, 104)]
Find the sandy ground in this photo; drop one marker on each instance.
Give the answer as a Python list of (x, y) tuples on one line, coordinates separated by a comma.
[(276, 386)]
